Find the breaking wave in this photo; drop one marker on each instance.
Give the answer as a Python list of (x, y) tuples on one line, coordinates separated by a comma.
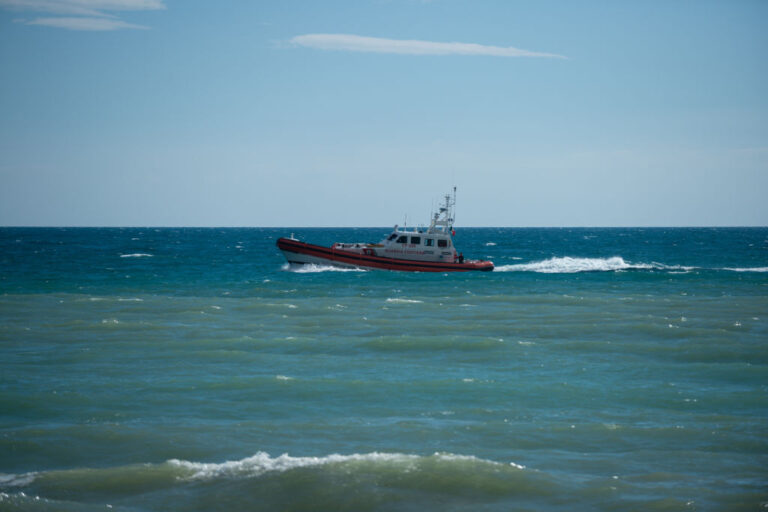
[(144, 477), (748, 269), (137, 255), (568, 265), (262, 463)]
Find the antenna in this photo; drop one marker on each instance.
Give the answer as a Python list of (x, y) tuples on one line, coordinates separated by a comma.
[(453, 213)]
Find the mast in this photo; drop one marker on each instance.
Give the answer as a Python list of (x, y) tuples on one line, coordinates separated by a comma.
[(442, 221)]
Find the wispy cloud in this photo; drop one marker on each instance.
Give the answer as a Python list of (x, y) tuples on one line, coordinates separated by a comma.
[(93, 24), (94, 15), (353, 43)]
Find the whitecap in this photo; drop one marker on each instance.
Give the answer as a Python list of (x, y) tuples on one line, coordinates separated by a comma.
[(747, 269), (137, 255), (12, 480), (262, 463), (404, 301), (283, 377), (490, 244)]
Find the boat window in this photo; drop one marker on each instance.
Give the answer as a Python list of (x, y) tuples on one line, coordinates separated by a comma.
[(416, 240), (442, 243), (429, 242), (402, 240), (392, 236)]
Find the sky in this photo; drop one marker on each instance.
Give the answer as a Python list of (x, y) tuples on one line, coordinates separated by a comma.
[(365, 112)]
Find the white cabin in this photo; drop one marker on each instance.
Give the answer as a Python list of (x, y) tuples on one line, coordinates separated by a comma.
[(421, 244)]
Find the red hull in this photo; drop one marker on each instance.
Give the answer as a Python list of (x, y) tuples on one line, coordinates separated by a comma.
[(332, 255)]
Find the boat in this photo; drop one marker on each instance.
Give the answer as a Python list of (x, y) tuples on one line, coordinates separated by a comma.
[(406, 249)]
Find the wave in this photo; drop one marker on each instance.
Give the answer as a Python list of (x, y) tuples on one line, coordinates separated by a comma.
[(569, 265), (11, 480), (262, 463), (747, 269), (359, 481), (171, 472), (404, 301), (137, 255)]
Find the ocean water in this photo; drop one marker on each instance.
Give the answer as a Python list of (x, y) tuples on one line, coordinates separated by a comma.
[(190, 369)]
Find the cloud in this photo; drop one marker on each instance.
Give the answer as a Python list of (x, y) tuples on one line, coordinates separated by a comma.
[(93, 24), (353, 43), (83, 14)]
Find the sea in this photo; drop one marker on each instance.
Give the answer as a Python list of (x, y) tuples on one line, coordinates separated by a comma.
[(183, 369)]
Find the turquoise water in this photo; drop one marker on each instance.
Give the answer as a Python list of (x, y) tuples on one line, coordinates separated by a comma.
[(189, 369)]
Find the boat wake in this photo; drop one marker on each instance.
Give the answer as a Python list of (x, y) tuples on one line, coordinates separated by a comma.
[(312, 268), (568, 265)]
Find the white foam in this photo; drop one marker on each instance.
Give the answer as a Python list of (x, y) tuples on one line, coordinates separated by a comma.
[(747, 269), (11, 480), (569, 265), (137, 255), (262, 463), (404, 301), (310, 268), (490, 244)]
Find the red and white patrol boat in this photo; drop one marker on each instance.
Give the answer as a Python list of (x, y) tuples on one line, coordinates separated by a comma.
[(416, 249)]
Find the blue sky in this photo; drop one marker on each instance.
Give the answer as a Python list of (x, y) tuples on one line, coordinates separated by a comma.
[(358, 113)]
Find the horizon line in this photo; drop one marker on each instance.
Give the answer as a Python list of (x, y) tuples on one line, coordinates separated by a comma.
[(159, 226)]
